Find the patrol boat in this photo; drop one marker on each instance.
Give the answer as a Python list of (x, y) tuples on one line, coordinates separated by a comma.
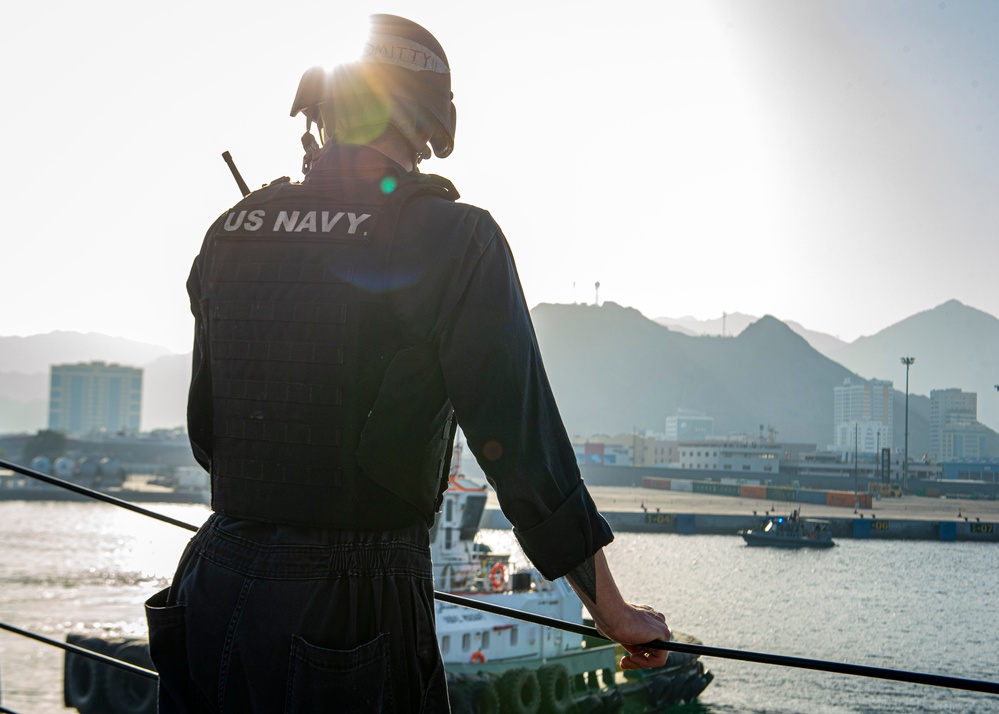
[(790, 532), (495, 663)]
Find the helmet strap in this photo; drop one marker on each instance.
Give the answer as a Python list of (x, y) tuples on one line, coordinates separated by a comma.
[(312, 150)]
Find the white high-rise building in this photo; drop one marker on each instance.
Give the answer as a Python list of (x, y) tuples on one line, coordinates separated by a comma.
[(863, 416), (689, 426), (954, 429), (94, 397)]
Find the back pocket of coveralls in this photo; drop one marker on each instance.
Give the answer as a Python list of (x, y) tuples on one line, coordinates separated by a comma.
[(325, 680), (168, 645)]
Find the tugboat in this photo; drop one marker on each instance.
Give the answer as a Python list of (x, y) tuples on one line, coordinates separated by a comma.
[(790, 532), (499, 664)]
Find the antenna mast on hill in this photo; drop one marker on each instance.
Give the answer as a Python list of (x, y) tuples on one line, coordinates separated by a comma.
[(596, 296)]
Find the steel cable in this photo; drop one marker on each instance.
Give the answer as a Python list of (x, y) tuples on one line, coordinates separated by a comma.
[(83, 652), (934, 680)]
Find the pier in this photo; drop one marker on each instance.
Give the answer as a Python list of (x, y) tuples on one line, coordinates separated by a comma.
[(645, 510)]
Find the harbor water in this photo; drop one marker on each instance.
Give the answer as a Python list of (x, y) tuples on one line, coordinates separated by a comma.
[(913, 605)]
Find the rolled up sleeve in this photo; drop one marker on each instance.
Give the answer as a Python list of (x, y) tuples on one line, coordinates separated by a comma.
[(573, 533), (503, 401)]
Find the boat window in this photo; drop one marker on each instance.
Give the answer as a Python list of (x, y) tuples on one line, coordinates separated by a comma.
[(472, 516), (447, 537), (448, 510), (445, 644), (485, 639), (466, 641), (513, 635)]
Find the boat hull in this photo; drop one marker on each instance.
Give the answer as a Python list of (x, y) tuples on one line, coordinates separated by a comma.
[(775, 541)]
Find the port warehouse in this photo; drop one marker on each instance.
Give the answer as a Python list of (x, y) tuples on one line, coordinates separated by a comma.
[(157, 453), (146, 453), (922, 480)]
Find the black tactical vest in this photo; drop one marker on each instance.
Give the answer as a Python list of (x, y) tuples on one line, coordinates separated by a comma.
[(326, 411)]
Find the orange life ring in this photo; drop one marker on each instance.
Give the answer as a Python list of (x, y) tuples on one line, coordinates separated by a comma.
[(497, 575), (478, 657)]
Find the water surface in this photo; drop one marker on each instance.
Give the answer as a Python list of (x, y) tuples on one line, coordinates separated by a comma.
[(926, 606)]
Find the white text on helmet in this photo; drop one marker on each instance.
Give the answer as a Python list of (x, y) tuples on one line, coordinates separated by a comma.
[(403, 53)]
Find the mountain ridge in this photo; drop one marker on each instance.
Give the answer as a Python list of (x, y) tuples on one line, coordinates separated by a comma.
[(592, 351)]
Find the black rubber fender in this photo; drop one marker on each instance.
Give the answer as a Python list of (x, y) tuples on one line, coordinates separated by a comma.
[(131, 693), (590, 704), (519, 692), (458, 694), (693, 687), (612, 701), (484, 697), (84, 684), (556, 689)]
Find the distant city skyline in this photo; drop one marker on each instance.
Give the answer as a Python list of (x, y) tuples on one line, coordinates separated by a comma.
[(832, 163)]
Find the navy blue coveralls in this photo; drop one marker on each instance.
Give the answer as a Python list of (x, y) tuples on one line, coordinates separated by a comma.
[(338, 321)]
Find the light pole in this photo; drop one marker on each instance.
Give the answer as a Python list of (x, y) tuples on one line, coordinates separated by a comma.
[(856, 487), (907, 361)]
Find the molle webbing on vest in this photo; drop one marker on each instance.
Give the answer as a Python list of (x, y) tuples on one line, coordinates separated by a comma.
[(300, 333), (284, 386)]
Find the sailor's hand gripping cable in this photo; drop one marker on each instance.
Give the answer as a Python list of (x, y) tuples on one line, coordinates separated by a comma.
[(615, 618)]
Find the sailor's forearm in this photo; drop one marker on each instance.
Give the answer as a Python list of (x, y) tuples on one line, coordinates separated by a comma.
[(593, 582)]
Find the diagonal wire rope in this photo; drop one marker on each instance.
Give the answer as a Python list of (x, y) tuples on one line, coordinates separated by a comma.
[(91, 493), (857, 670), (83, 652), (934, 680)]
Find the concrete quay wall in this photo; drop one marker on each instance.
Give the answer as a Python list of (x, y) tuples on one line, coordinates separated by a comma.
[(730, 524), (644, 510)]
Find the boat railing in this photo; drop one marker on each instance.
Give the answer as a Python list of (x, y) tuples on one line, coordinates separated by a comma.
[(922, 678)]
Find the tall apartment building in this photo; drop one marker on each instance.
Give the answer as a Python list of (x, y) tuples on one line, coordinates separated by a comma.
[(954, 429), (92, 397), (863, 416)]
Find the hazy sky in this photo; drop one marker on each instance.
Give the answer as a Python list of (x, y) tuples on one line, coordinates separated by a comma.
[(832, 163)]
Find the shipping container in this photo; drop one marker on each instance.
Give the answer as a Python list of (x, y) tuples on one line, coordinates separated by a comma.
[(780, 493), (841, 498), (808, 496), (655, 482), (759, 492), (848, 499)]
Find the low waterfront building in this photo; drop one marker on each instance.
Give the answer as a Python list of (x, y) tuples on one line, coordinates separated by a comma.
[(735, 456), (600, 452), (984, 470), (625, 449)]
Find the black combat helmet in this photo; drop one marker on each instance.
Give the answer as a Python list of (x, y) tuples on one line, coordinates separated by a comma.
[(403, 78)]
